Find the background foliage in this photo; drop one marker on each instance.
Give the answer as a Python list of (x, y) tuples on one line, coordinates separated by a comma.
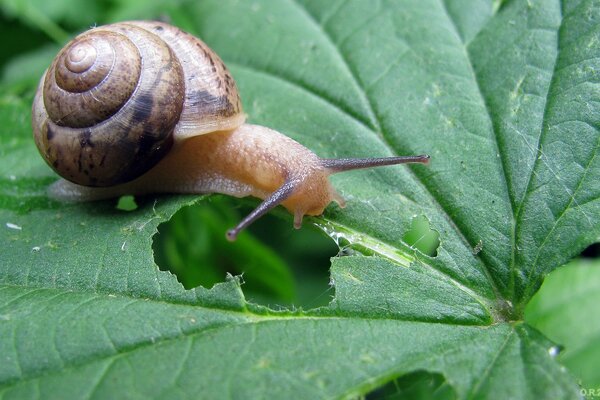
[(433, 267)]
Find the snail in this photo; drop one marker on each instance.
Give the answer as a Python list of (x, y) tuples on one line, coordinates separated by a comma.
[(142, 107)]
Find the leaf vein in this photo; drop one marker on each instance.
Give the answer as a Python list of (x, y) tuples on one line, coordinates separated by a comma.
[(563, 212), (371, 114), (487, 372), (502, 164)]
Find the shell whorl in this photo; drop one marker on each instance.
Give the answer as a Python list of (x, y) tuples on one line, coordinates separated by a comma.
[(117, 96), (212, 101)]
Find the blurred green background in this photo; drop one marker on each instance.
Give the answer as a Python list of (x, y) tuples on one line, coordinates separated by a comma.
[(280, 266)]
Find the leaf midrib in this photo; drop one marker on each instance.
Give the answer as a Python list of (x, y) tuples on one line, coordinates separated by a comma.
[(502, 160)]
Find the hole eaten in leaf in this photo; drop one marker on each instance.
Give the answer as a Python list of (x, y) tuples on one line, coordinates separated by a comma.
[(126, 203), (592, 251), (421, 237), (416, 385), (280, 265)]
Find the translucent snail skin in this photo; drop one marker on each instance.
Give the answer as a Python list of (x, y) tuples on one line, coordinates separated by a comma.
[(142, 107)]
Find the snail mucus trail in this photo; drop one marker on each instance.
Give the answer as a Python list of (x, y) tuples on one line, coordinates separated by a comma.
[(142, 107)]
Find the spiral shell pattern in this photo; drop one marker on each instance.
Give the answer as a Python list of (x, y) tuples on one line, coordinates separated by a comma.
[(117, 97)]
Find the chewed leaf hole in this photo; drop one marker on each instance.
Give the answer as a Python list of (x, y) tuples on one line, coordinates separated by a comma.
[(280, 266), (416, 385), (126, 203), (592, 251), (421, 237)]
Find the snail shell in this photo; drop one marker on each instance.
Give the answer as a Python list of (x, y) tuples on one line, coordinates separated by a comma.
[(117, 97)]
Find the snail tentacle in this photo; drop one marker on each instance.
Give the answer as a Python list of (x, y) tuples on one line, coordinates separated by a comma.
[(276, 198)]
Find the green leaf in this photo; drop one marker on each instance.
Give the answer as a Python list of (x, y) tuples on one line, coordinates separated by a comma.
[(566, 310), (120, 350), (505, 98)]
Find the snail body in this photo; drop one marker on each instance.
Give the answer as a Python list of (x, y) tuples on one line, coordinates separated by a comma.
[(143, 107)]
